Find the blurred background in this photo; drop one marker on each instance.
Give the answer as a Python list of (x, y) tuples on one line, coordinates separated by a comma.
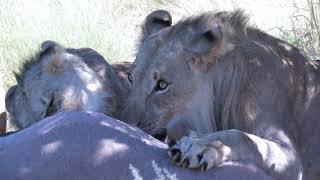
[(112, 27)]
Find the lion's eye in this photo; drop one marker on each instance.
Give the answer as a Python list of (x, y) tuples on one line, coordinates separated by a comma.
[(130, 78), (162, 85)]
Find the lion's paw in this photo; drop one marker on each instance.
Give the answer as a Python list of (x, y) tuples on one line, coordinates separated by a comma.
[(190, 152)]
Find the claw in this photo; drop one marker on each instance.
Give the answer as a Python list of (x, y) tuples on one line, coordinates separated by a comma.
[(185, 163), (199, 157), (172, 152), (176, 155), (204, 166)]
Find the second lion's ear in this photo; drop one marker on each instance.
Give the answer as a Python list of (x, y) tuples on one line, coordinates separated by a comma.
[(51, 57), (156, 21), (48, 44), (48, 47)]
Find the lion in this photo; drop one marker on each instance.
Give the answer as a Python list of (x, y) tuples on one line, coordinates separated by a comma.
[(63, 79), (221, 90)]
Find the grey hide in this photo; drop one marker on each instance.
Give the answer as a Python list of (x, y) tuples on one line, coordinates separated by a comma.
[(92, 146)]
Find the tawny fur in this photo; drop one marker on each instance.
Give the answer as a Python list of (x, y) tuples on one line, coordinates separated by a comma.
[(233, 93), (63, 79)]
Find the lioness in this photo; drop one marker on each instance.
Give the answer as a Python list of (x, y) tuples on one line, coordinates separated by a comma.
[(225, 91), (63, 79)]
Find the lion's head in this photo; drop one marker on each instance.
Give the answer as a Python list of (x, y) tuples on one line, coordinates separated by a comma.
[(170, 78), (60, 79), (187, 76)]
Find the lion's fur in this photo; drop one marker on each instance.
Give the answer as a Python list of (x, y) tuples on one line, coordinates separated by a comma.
[(248, 80), (63, 79)]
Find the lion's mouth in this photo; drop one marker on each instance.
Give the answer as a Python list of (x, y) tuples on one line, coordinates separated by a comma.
[(161, 136), (156, 130)]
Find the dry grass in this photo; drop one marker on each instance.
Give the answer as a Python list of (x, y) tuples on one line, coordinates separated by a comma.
[(304, 31)]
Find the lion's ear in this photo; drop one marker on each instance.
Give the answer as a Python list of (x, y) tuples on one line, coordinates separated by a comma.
[(49, 47), (48, 44), (205, 41), (207, 45), (156, 21), (52, 55), (10, 98)]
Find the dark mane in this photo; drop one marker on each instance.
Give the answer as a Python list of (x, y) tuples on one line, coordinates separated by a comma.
[(29, 62), (235, 22), (25, 66), (236, 26)]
